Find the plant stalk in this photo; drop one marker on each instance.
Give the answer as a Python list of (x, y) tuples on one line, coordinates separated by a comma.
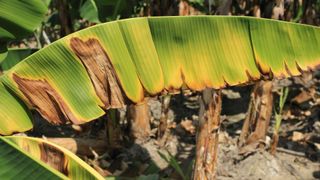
[(207, 135)]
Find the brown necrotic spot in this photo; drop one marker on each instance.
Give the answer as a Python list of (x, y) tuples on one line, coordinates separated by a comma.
[(54, 158), (45, 99), (101, 71)]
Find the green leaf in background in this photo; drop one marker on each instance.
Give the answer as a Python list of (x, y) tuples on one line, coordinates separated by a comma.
[(34, 158), (97, 11), (89, 11), (19, 18), (46, 2), (14, 56), (4, 37), (114, 9), (78, 77), (31, 13)]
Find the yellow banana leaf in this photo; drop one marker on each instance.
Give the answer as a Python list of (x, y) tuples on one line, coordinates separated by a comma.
[(34, 158), (105, 66)]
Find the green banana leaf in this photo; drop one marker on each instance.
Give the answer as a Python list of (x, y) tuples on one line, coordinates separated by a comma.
[(89, 11), (97, 11), (12, 104), (19, 18), (105, 66), (34, 158), (14, 56)]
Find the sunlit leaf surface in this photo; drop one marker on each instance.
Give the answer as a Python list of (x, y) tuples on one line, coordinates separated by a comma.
[(78, 77), (34, 158)]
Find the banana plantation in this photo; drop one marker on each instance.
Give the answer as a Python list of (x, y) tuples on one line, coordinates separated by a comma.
[(159, 89)]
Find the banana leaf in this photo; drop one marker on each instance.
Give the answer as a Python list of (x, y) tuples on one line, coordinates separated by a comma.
[(34, 158), (14, 56), (19, 18), (97, 11), (108, 65)]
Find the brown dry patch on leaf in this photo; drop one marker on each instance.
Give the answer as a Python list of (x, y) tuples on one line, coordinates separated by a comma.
[(54, 158), (101, 71), (46, 100)]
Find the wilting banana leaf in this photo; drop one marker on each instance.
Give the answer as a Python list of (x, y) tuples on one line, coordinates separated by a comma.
[(105, 66), (34, 158)]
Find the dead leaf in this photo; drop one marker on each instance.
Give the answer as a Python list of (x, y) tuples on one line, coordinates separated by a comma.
[(188, 126), (317, 145), (307, 113), (304, 96), (172, 125), (297, 136)]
